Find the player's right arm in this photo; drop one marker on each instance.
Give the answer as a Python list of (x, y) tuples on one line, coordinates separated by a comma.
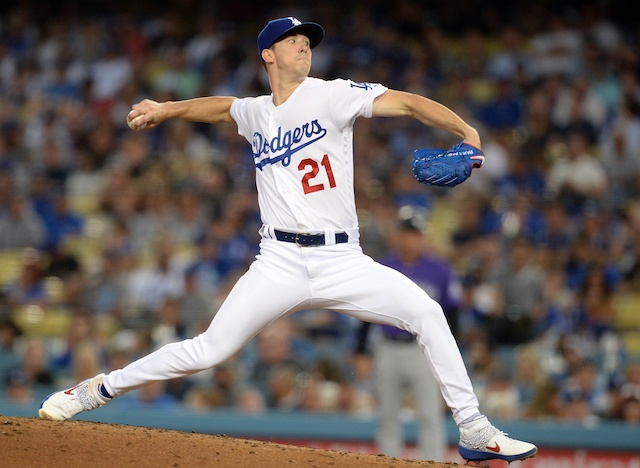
[(211, 109)]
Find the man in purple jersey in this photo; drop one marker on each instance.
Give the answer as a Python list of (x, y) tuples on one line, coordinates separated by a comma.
[(396, 353)]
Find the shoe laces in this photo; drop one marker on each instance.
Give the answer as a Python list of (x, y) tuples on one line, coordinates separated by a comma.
[(84, 399), (480, 439)]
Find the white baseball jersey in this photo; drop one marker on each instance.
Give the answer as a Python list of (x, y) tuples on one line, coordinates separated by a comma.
[(304, 166)]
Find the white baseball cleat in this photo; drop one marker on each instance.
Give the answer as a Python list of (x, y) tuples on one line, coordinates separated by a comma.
[(65, 404), (490, 443)]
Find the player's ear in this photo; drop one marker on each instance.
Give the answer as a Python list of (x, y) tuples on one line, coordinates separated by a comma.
[(267, 55)]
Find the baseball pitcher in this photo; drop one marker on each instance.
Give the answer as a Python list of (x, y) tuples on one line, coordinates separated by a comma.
[(310, 257)]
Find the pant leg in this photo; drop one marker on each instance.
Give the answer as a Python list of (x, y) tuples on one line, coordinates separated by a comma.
[(358, 286), (275, 285), (389, 392), (432, 443)]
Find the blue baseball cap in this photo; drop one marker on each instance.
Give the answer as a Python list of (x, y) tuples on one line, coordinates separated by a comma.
[(277, 28)]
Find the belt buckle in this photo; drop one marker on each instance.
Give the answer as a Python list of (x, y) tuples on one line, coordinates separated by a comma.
[(295, 239)]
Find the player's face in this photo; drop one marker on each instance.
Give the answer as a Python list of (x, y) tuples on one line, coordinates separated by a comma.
[(294, 52)]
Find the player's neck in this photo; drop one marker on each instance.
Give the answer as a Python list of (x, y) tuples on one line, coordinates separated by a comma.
[(283, 89)]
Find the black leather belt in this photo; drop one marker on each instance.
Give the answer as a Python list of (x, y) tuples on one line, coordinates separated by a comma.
[(304, 239)]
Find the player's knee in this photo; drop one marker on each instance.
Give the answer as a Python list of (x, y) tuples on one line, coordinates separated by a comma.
[(426, 316), (208, 353), (427, 310)]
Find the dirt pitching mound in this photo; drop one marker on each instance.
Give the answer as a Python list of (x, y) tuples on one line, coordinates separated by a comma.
[(29, 442)]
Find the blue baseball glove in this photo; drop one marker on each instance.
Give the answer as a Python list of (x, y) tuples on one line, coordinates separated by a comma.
[(446, 167)]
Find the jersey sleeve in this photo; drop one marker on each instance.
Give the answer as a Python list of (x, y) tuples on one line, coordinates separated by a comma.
[(239, 113), (352, 99)]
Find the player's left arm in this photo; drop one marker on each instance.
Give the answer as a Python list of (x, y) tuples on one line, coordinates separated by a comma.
[(394, 103)]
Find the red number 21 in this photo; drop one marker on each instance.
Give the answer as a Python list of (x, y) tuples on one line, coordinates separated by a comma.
[(312, 171)]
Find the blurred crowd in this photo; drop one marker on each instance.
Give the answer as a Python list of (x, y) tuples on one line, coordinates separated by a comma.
[(114, 243)]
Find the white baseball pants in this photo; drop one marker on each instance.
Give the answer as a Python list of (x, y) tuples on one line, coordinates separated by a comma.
[(286, 278)]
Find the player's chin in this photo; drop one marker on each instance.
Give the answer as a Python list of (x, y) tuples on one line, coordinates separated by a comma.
[(304, 68)]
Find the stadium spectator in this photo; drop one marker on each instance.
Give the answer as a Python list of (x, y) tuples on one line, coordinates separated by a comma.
[(577, 176)]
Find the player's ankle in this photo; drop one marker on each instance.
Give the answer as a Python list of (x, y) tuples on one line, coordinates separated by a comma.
[(473, 424), (102, 391), (98, 390)]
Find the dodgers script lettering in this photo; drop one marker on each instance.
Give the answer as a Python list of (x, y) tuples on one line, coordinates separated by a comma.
[(285, 143)]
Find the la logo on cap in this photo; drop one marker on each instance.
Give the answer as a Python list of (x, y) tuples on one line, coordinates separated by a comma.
[(295, 21)]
